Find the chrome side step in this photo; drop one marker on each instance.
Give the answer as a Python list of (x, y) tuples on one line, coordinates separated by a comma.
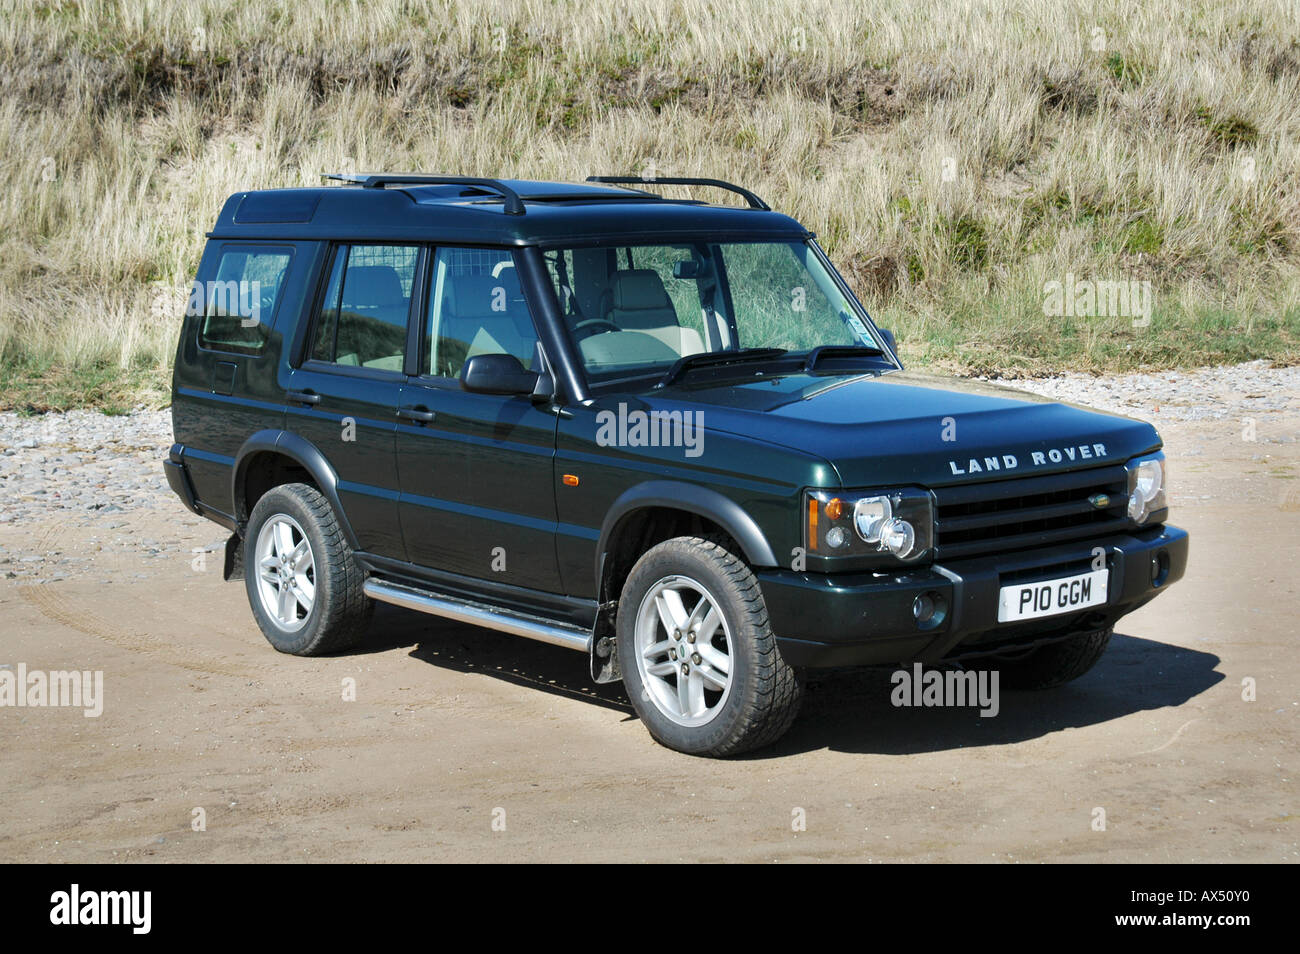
[(479, 614)]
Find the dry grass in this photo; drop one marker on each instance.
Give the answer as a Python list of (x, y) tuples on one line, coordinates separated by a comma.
[(1167, 155)]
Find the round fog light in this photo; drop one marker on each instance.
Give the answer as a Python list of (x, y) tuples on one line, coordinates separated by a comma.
[(1160, 568), (929, 610)]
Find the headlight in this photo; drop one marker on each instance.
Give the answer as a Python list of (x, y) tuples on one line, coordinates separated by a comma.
[(892, 523), (870, 515), (1146, 488), (899, 538)]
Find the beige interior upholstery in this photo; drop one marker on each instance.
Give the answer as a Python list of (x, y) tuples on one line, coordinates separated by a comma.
[(472, 320), (626, 347), (637, 301)]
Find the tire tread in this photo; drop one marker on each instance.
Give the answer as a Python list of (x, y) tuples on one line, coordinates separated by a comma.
[(778, 687), (346, 609)]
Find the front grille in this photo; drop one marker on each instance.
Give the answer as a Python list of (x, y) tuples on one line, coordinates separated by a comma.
[(1007, 516)]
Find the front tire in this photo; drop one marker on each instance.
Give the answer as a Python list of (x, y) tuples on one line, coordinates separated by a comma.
[(700, 662), (303, 584)]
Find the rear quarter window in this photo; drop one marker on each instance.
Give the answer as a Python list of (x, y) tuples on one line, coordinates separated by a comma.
[(240, 299)]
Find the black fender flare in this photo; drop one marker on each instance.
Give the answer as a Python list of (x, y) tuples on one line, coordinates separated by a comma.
[(692, 498), (307, 455)]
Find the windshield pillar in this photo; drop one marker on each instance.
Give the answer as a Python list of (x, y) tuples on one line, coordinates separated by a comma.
[(566, 363)]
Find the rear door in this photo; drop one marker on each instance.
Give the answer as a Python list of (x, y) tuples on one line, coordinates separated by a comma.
[(477, 472), (343, 395)]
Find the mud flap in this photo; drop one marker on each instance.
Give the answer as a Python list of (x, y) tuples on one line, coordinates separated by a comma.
[(233, 565), (604, 645), (604, 660)]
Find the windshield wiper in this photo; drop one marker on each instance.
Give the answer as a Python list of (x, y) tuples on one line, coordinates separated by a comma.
[(840, 351), (716, 359)]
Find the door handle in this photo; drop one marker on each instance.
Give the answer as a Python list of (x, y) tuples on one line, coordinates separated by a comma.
[(302, 397), (418, 413)]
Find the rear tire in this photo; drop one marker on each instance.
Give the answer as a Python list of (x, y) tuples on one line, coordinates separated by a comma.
[(700, 662), (1054, 664), (303, 584)]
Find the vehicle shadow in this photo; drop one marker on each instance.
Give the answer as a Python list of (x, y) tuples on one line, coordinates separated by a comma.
[(472, 649), (846, 710), (851, 710)]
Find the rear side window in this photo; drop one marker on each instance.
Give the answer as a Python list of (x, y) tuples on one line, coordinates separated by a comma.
[(363, 314), (476, 306), (240, 300)]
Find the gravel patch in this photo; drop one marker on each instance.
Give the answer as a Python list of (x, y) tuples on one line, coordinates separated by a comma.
[(81, 462), (74, 483), (1208, 394)]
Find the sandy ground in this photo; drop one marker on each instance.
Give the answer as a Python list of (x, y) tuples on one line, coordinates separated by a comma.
[(455, 728)]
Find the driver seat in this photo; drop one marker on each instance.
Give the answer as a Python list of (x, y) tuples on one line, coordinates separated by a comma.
[(636, 300)]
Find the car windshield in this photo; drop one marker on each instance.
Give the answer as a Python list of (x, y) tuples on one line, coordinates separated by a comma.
[(637, 310)]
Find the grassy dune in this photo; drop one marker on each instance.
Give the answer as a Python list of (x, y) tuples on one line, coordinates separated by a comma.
[(953, 157)]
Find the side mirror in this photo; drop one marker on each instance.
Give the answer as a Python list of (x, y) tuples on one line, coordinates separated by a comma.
[(497, 374), (889, 339)]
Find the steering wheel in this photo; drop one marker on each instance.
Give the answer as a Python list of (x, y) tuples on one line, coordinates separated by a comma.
[(591, 322)]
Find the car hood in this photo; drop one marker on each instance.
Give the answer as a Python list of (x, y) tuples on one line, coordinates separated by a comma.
[(905, 427)]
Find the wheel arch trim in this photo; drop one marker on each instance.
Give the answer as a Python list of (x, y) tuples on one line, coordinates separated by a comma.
[(690, 498), (303, 452)]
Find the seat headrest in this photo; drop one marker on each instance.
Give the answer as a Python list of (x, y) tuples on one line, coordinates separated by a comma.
[(638, 289), (372, 286)]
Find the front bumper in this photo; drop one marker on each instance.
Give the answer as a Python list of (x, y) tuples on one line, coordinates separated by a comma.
[(867, 618)]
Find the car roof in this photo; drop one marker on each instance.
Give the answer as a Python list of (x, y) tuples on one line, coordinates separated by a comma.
[(554, 213)]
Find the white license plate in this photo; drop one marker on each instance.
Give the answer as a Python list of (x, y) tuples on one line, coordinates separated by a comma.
[(1051, 597)]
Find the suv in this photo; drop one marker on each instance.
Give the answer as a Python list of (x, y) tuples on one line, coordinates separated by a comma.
[(661, 432)]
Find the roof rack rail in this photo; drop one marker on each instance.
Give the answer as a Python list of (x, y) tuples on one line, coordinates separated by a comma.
[(754, 201), (514, 205)]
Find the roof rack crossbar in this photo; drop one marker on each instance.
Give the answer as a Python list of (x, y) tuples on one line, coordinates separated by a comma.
[(514, 205), (754, 201)]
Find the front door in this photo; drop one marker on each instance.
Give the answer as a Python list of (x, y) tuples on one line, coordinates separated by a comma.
[(476, 470)]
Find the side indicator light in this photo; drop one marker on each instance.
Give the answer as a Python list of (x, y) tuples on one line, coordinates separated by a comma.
[(812, 523), (570, 480)]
